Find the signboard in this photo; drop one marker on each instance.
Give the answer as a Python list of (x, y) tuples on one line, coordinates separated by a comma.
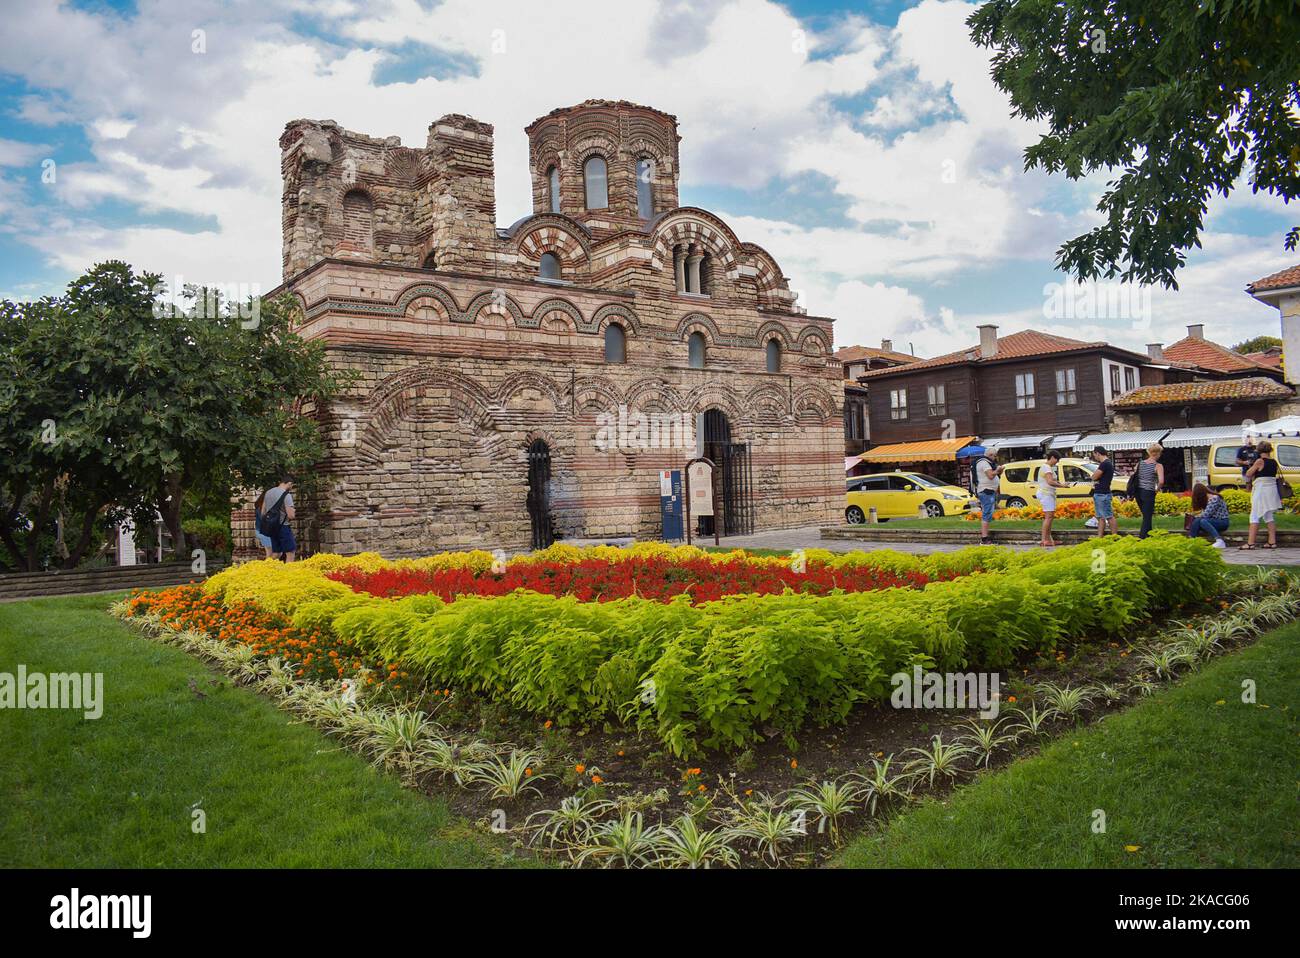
[(701, 489), (126, 543), (670, 504)]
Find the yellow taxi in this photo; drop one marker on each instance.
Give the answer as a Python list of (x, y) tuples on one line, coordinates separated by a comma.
[(1226, 474), (1020, 481), (897, 495)]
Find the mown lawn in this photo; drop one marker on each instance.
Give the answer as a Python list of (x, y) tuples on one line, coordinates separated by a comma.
[(1192, 777), (119, 791)]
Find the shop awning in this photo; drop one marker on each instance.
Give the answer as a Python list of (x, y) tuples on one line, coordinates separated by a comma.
[(1201, 436), (1285, 426), (1013, 442), (1120, 440), (928, 450), (850, 462), (1064, 441)]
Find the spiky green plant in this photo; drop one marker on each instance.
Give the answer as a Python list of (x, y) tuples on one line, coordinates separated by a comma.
[(1032, 721), (769, 826), (570, 824), (879, 784), (984, 738), (1066, 701), (626, 841), (831, 801), (511, 777), (684, 844), (940, 759)]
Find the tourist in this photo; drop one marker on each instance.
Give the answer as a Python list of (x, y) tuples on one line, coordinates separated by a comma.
[(278, 503), (263, 539), (987, 485), (1210, 514), (1048, 483), (1150, 476), (1247, 454), (1102, 503), (1265, 499)]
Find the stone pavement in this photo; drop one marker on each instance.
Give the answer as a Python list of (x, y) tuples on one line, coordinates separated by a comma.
[(809, 538)]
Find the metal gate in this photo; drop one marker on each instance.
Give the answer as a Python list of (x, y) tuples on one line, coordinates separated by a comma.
[(539, 503), (732, 460)]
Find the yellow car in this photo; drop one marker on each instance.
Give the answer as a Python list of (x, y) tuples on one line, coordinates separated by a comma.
[(898, 495), (1020, 481), (1226, 474)]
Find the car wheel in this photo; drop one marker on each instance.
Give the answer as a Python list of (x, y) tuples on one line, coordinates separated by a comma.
[(854, 516), (933, 510), (1015, 502)]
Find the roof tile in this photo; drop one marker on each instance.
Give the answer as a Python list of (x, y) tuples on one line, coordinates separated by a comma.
[(1205, 391)]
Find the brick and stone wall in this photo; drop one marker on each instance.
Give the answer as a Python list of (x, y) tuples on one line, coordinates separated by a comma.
[(464, 355)]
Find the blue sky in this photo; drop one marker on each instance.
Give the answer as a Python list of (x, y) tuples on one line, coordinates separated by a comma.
[(861, 143)]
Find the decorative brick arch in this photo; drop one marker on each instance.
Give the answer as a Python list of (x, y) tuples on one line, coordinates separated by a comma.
[(767, 402), (613, 312), (699, 322), (428, 291), (557, 305), (812, 403), (532, 380), (554, 233), (596, 392), (765, 274), (392, 400), (490, 299), (691, 225), (815, 337), (653, 390), (716, 396)]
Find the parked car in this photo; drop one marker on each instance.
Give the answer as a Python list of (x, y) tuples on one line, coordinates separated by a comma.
[(1226, 474), (1020, 481), (897, 495)]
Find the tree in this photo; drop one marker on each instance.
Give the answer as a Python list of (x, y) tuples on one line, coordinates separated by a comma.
[(1258, 344), (115, 404), (1180, 98)]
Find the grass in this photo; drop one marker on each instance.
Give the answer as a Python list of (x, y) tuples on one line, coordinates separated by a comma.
[(1191, 777), (118, 792)]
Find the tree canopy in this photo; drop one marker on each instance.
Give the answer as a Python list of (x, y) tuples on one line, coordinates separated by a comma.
[(1257, 344), (115, 404), (1178, 99)]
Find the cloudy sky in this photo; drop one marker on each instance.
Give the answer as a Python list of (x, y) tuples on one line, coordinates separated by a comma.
[(862, 144)]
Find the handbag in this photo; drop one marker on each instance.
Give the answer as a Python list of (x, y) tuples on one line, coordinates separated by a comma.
[(1284, 488)]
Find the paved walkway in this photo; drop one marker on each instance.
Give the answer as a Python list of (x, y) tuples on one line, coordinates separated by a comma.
[(809, 538)]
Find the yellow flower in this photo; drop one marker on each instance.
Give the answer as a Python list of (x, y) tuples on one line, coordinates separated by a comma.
[(1131, 848)]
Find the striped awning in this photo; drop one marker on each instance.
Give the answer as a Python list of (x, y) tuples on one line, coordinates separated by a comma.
[(1276, 428), (1120, 440), (1065, 440), (928, 450), (1013, 442), (1201, 436)]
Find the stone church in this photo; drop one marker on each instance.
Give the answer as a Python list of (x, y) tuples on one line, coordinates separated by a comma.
[(526, 384)]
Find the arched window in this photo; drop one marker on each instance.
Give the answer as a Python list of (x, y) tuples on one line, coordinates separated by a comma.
[(358, 220), (615, 344), (645, 188), (695, 350), (595, 180), (553, 181), (549, 267), (773, 356)]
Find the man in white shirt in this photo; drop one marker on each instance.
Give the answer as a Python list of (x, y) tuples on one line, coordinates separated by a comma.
[(987, 483), (277, 511)]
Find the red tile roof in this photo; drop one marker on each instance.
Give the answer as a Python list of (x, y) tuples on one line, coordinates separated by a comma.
[(855, 354), (1212, 356), (1022, 345), (1268, 359), (1218, 390), (1279, 280)]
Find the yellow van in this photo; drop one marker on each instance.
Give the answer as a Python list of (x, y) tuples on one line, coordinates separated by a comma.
[(1226, 474), (1020, 481), (902, 495)]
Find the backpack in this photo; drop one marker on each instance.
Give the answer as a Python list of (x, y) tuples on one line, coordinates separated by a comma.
[(983, 462), (274, 517)]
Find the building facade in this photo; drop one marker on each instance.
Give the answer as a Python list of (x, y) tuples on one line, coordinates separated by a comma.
[(515, 385)]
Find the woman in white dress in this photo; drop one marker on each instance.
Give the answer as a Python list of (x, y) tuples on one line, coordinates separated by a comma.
[(1265, 499), (1048, 483)]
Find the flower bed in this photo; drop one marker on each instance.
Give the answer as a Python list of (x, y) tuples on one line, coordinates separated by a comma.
[(696, 673), (658, 578)]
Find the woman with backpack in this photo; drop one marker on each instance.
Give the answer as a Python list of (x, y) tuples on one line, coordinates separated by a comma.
[(263, 539), (278, 503), (1265, 499)]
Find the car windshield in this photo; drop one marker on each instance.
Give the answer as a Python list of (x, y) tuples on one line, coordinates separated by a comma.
[(928, 481)]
